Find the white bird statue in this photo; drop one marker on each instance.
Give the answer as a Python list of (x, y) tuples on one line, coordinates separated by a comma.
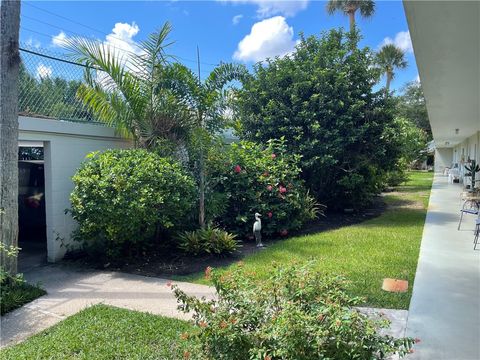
[(257, 230)]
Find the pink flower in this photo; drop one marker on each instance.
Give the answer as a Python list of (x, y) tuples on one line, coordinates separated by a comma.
[(237, 169), (282, 189), (169, 284), (269, 187), (270, 214), (273, 156), (284, 232)]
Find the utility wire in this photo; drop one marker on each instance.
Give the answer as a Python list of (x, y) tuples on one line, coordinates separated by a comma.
[(94, 29)]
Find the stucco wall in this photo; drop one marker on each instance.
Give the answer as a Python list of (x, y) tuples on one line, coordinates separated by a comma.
[(65, 146), (443, 158)]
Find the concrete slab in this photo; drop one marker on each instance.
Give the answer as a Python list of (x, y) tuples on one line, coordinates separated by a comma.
[(445, 307), (71, 290)]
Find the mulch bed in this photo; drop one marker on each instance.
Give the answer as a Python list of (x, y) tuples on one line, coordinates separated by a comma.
[(161, 263)]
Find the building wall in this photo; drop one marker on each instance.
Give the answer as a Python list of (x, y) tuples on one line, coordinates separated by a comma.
[(443, 158), (65, 146), (467, 149)]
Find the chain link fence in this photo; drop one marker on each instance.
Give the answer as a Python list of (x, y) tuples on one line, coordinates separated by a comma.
[(48, 84)]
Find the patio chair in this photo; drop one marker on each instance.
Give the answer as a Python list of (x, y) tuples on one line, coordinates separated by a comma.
[(469, 207), (477, 233)]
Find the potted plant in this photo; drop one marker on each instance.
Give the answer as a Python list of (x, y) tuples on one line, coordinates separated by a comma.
[(472, 169)]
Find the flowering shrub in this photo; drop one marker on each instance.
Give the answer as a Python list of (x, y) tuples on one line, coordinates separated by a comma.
[(264, 180), (124, 199), (207, 241), (297, 314)]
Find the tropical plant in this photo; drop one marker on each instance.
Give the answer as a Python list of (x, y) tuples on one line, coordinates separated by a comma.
[(388, 59), (473, 169), (208, 102), (209, 240), (295, 314), (125, 200), (350, 7), (250, 178), (122, 89), (321, 99)]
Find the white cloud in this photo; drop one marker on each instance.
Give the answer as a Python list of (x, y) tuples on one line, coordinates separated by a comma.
[(417, 78), (268, 38), (402, 40), (236, 19), (59, 40), (44, 71), (266, 8), (33, 43)]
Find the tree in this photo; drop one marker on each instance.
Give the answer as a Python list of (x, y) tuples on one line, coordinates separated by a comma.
[(411, 105), (9, 65), (321, 99), (350, 7), (388, 59), (208, 102), (122, 90)]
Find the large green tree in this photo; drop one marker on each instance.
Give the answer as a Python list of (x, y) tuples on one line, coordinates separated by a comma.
[(321, 99), (389, 59), (411, 105), (350, 7)]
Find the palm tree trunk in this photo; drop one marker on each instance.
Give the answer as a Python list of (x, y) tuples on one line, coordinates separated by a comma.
[(389, 80), (9, 67), (351, 16)]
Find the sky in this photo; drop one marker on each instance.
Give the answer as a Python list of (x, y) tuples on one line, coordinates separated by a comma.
[(244, 31)]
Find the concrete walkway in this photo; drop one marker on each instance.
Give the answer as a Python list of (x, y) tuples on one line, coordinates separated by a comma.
[(71, 290), (445, 308)]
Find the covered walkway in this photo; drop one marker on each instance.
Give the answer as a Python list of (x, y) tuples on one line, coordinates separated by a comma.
[(445, 306)]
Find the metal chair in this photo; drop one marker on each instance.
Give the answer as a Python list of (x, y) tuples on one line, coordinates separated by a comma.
[(469, 207), (477, 234)]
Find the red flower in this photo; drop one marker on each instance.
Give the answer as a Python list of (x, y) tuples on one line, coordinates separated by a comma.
[(237, 169), (265, 174), (269, 187), (282, 189), (274, 156), (270, 214), (284, 232)]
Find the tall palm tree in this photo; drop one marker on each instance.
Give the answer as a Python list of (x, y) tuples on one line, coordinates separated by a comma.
[(388, 59), (122, 89), (208, 99), (350, 7), (9, 67)]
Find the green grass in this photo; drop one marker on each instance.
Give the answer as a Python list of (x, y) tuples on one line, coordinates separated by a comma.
[(104, 332), (366, 253), (16, 294)]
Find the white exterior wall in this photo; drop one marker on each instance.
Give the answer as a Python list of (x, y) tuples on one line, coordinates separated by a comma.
[(65, 146), (443, 158)]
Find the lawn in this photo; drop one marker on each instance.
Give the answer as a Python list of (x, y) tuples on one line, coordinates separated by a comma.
[(365, 253), (104, 332)]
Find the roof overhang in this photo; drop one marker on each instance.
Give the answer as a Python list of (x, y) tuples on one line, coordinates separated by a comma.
[(446, 41)]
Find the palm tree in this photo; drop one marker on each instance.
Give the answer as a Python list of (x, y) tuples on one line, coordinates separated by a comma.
[(122, 89), (208, 100), (388, 59), (9, 67), (350, 7)]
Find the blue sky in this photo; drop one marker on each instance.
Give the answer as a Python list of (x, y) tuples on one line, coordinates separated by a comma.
[(227, 30)]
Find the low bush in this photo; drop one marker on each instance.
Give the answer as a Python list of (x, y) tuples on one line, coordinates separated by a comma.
[(297, 314), (250, 178), (125, 199), (14, 290), (208, 241)]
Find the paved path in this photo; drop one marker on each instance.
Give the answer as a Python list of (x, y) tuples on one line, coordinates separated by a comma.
[(445, 308), (71, 290)]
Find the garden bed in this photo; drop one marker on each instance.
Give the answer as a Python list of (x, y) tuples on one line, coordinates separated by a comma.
[(161, 263)]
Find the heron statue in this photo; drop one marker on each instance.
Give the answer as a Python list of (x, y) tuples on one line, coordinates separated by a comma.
[(257, 230)]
